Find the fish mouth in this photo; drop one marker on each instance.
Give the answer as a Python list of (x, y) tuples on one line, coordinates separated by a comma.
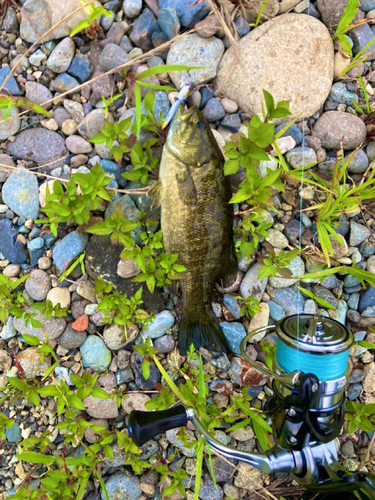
[(190, 115)]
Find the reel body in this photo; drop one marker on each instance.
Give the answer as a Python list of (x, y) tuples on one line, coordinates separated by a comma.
[(310, 372)]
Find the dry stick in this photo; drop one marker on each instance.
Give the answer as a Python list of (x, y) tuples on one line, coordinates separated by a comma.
[(141, 191), (40, 39), (136, 60)]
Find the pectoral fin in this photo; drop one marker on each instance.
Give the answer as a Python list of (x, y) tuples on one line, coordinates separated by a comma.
[(155, 192), (186, 188)]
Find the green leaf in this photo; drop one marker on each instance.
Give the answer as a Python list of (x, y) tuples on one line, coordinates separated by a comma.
[(138, 109), (270, 104), (30, 339), (100, 393), (167, 68), (320, 301), (36, 458)]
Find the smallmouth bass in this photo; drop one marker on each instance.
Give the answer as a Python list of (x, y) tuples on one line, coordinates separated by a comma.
[(197, 223)]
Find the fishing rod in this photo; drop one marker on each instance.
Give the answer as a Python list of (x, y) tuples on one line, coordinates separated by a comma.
[(309, 376)]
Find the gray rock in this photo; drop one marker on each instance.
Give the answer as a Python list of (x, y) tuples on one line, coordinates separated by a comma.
[(78, 145), (21, 194), (354, 391), (112, 57), (71, 339), (276, 311), (132, 8), (5, 173), (234, 333), (10, 126), (38, 93), (290, 299), (61, 56), (37, 58), (252, 285), (340, 94), (115, 338), (231, 304), (38, 16), (334, 126), (361, 36), (339, 314), (304, 75), (38, 284), (102, 258), (39, 145), (359, 162), (52, 327), (192, 50), (370, 151), (92, 123), (168, 22), (11, 85), (358, 234), (158, 326), (188, 13), (64, 83), (277, 239), (10, 247), (332, 11), (347, 449), (101, 408), (325, 294), (299, 157), (71, 246), (186, 448), (143, 29), (213, 110), (165, 344), (10, 22), (95, 354), (297, 268), (356, 376), (208, 491), (121, 486)]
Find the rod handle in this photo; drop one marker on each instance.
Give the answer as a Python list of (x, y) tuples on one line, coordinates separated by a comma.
[(144, 425)]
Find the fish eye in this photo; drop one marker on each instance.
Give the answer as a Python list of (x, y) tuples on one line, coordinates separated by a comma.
[(201, 125)]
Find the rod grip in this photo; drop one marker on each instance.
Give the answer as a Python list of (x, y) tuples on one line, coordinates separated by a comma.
[(144, 425)]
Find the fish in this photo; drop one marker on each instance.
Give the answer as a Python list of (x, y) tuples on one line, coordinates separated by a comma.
[(197, 223)]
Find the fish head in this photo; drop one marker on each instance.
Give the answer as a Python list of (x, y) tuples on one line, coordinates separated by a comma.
[(190, 138)]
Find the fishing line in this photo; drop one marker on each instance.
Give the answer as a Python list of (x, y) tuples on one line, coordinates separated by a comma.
[(299, 296)]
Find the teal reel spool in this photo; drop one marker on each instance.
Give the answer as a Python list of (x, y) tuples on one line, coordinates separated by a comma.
[(313, 344)]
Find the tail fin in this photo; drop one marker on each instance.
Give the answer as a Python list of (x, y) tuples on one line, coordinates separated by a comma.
[(201, 330)]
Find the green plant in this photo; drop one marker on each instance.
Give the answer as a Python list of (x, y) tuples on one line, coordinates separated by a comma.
[(118, 308), (275, 264), (341, 195), (79, 261), (5, 423), (270, 350), (249, 306), (362, 275), (157, 268), (83, 193), (11, 299), (8, 102), (320, 301), (115, 133), (344, 25), (94, 12), (248, 231), (107, 103), (365, 93), (360, 416), (143, 162)]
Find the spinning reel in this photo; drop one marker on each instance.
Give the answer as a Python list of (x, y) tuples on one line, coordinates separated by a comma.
[(310, 373)]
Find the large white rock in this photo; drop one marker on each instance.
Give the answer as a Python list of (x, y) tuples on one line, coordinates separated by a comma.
[(38, 16), (291, 56)]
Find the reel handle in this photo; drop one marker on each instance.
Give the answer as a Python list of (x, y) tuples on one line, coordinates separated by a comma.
[(144, 425)]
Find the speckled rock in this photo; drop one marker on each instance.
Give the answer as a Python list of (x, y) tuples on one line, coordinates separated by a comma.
[(334, 126), (59, 295), (101, 408), (10, 126), (192, 50), (61, 56), (121, 486), (157, 327), (29, 359), (38, 285), (251, 284), (38, 93), (40, 15), (39, 145), (52, 327), (304, 75), (21, 194), (71, 339), (5, 173)]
